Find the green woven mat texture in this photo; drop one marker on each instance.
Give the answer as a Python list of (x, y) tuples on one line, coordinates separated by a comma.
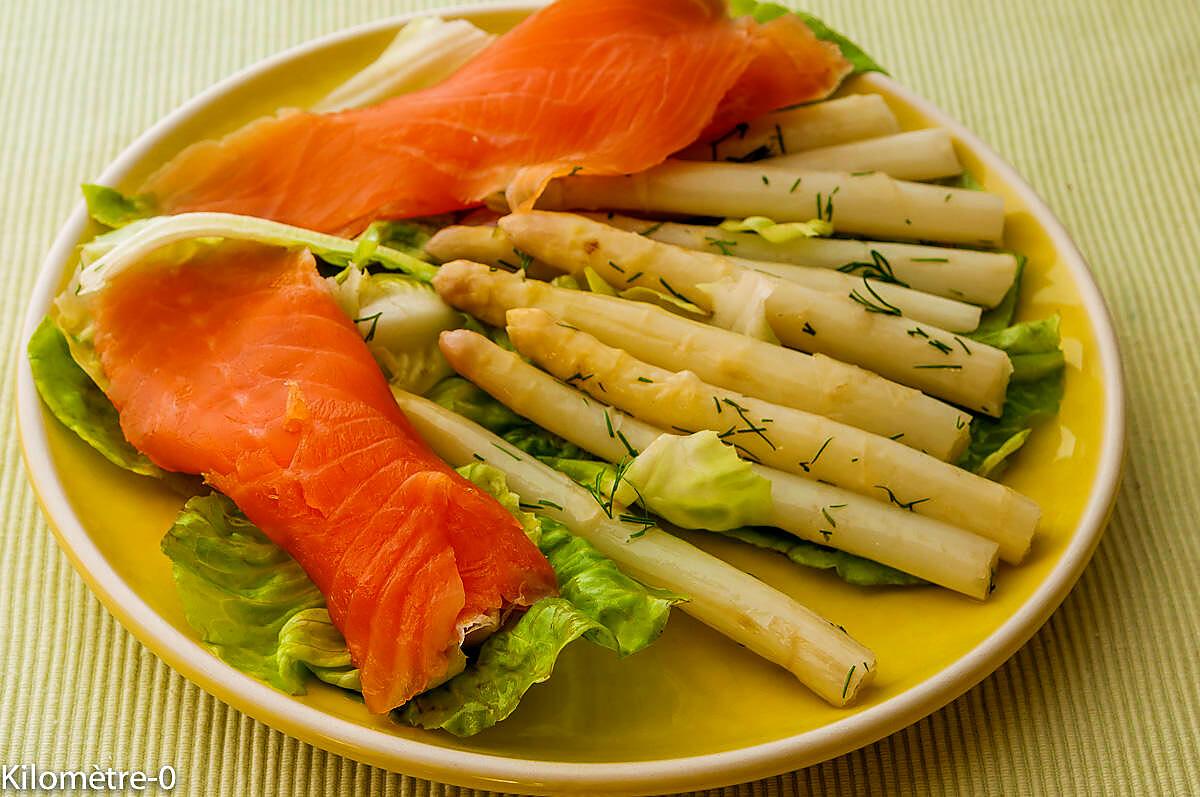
[(1096, 102)]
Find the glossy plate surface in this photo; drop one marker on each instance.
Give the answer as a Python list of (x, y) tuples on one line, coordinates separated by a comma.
[(601, 725)]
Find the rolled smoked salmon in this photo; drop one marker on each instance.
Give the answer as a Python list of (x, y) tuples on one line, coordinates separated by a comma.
[(239, 366)]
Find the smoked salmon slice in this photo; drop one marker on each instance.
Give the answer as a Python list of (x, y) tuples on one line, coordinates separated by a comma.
[(598, 86), (239, 366)]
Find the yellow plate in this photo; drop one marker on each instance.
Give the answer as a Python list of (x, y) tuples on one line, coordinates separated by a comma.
[(694, 710)]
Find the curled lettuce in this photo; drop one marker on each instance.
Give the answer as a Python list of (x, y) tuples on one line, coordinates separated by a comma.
[(777, 232), (239, 591), (601, 478), (696, 482), (1035, 390), (400, 319), (850, 568), (425, 52), (509, 663), (110, 207), (75, 400), (256, 609)]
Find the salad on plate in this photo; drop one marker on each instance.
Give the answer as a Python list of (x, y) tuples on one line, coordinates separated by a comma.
[(442, 365)]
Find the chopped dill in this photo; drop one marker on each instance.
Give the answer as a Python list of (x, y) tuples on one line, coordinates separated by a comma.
[(862, 174), (846, 686), (625, 442), (795, 185), (549, 503), (940, 367), (940, 346), (653, 228), (931, 260), (479, 458), (506, 451), (644, 379), (674, 292), (631, 280), (808, 329), (779, 138), (965, 347), (766, 180), (374, 319), (902, 504), (875, 303), (807, 465), (615, 266), (917, 332), (719, 243), (879, 268)]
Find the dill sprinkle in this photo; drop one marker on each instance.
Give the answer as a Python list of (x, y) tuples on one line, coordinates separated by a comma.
[(653, 228), (644, 379), (795, 185), (506, 451), (674, 292), (719, 243), (846, 686), (374, 319), (931, 260), (618, 268), (960, 342), (939, 367)]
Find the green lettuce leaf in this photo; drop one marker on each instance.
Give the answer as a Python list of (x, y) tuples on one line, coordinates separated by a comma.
[(629, 615), (400, 319), (777, 232), (1000, 316), (256, 609), (75, 400), (239, 590), (765, 12), (110, 207), (850, 568), (1026, 405), (509, 663), (1035, 392), (696, 482), (600, 478)]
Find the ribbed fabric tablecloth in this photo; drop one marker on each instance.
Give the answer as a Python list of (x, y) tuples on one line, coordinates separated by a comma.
[(1097, 103)]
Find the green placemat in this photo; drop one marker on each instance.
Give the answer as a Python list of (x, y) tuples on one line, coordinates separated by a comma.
[(1096, 103)]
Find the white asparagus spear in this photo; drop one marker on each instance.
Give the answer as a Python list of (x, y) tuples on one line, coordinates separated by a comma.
[(912, 155), (967, 274), (971, 374), (748, 611), (566, 240), (816, 384), (870, 204), (820, 513), (485, 244), (781, 437), (821, 124)]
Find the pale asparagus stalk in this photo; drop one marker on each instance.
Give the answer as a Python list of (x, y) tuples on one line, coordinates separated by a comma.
[(573, 242), (913, 155), (820, 513), (857, 331), (773, 625), (816, 384), (967, 274), (868, 204), (485, 244), (821, 124), (962, 371), (781, 437)]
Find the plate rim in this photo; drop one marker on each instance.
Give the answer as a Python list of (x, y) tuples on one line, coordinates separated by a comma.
[(483, 770)]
